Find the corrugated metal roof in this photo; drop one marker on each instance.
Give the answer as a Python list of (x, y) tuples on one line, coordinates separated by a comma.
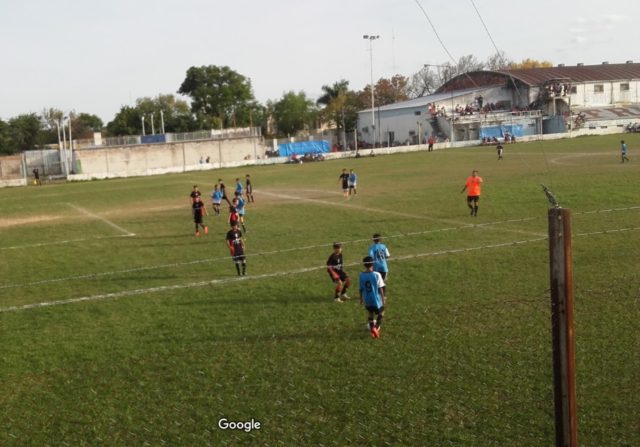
[(424, 100), (585, 73)]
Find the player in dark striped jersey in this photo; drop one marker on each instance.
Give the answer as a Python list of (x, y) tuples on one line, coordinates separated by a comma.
[(235, 243), (249, 189), (199, 210), (337, 274)]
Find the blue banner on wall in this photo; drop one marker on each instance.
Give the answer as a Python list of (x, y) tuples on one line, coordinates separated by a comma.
[(157, 138), (499, 131), (303, 147)]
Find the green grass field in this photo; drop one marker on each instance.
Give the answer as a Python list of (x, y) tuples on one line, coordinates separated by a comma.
[(119, 327)]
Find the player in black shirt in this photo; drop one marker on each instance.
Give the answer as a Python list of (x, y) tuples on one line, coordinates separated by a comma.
[(223, 190), (195, 193), (199, 209), (344, 178), (337, 274), (236, 248), (249, 189)]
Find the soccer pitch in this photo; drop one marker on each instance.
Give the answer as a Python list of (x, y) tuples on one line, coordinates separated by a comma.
[(119, 327)]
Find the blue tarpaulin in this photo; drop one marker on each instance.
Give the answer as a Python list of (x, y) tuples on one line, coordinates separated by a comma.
[(498, 131), (303, 147), (157, 138)]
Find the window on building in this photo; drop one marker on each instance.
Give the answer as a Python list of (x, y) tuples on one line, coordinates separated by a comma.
[(365, 130), (624, 87), (598, 88), (574, 89)]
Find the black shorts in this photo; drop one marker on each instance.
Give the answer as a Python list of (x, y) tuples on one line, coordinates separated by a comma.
[(239, 257), (473, 199), (383, 274), (374, 309), (197, 219), (339, 275)]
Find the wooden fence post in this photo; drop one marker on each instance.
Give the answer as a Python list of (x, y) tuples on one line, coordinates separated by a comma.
[(564, 362)]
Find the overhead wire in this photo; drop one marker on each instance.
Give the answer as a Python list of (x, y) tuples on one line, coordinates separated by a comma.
[(503, 62), (455, 62)]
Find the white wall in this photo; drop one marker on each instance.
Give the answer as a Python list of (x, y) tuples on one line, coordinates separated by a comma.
[(149, 159)]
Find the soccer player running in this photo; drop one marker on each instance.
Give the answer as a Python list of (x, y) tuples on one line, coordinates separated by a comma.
[(380, 253), (623, 151), (234, 217), (235, 243), (353, 182), (249, 189), (372, 296), (194, 193), (344, 179), (239, 187), (473, 191), (499, 149), (216, 199), (239, 203), (223, 190), (337, 274), (199, 209)]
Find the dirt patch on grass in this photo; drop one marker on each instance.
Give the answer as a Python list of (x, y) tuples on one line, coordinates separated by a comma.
[(6, 222)]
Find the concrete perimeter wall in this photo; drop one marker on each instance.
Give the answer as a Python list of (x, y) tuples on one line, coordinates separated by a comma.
[(149, 159), (12, 171)]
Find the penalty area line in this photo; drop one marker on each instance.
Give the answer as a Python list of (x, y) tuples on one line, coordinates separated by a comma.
[(214, 282), (103, 219)]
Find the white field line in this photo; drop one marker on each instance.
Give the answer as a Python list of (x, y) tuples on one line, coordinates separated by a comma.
[(396, 213), (67, 241), (95, 216), (135, 292), (609, 210), (265, 253), (225, 258), (558, 160)]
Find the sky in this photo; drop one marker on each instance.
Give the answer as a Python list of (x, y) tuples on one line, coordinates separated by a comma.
[(95, 57)]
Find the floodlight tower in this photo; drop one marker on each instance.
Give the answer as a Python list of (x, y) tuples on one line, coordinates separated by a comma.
[(371, 38)]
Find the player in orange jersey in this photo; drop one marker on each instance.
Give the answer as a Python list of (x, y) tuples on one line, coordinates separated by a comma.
[(472, 186)]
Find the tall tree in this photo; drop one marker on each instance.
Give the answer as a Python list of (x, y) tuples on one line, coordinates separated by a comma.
[(530, 63), (176, 113), (497, 62), (5, 146), (85, 124), (334, 100), (128, 121), (423, 83), (22, 133), (218, 92), (389, 91), (292, 113)]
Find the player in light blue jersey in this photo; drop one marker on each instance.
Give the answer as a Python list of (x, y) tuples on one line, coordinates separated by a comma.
[(239, 187), (216, 198), (372, 296), (239, 203), (380, 253), (353, 183)]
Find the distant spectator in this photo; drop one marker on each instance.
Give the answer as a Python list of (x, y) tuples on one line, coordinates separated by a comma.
[(36, 177)]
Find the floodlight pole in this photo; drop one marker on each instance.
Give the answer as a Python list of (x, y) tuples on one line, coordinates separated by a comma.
[(564, 361), (373, 110)]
